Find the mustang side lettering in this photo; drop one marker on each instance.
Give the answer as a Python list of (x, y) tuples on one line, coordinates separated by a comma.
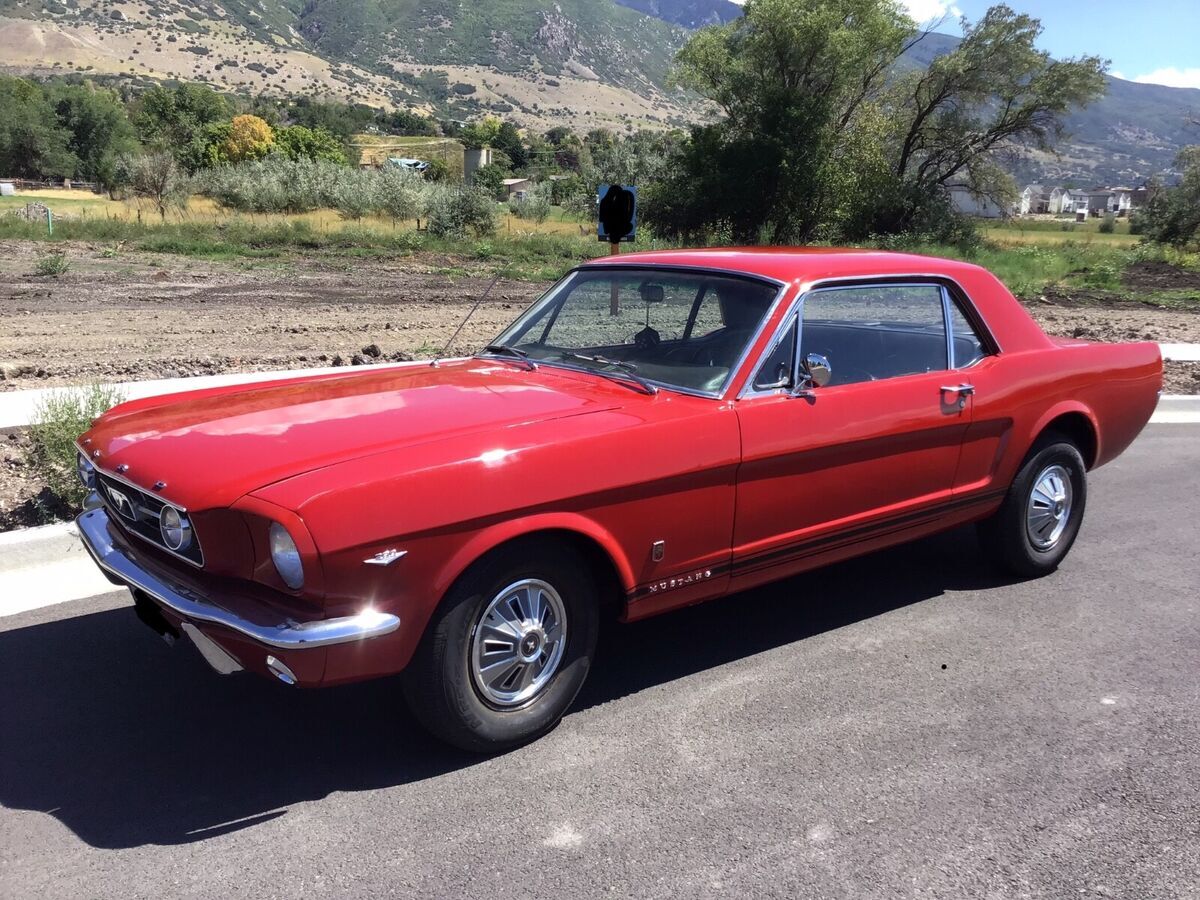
[(659, 429)]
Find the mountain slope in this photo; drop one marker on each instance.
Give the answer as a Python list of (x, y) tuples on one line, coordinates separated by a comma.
[(688, 13), (580, 63)]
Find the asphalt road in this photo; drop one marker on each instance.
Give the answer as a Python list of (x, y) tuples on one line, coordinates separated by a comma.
[(907, 725)]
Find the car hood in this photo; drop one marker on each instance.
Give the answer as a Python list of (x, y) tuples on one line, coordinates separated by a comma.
[(211, 447)]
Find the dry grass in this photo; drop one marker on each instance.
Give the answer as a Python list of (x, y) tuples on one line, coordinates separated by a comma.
[(79, 205)]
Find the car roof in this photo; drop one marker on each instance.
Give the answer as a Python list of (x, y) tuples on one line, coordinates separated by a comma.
[(796, 263)]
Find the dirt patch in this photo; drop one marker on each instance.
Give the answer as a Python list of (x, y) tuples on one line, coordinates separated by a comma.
[(1071, 317), (1181, 378), (139, 316), (1156, 275), (24, 498)]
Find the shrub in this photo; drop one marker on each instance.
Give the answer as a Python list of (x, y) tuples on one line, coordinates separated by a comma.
[(274, 184), (400, 194), (534, 206), (356, 193), (1108, 226), (53, 265), (58, 422), (455, 212)]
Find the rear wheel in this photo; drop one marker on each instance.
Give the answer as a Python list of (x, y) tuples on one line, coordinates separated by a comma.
[(508, 649), (1036, 525)]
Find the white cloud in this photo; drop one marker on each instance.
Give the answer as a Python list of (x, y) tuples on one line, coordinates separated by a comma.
[(1172, 77), (925, 11)]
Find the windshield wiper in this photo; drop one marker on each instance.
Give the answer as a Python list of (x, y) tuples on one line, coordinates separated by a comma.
[(516, 353), (627, 370)]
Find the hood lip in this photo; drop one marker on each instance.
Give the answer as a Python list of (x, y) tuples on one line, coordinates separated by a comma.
[(121, 478)]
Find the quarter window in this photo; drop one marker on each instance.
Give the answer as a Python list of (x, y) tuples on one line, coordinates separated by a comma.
[(968, 348)]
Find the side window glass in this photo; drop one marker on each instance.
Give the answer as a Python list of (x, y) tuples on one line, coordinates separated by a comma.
[(778, 364), (968, 348), (876, 332)]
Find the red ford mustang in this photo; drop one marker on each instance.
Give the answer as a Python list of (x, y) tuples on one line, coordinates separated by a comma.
[(657, 430)]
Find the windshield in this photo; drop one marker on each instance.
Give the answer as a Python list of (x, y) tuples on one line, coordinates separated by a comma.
[(671, 328)]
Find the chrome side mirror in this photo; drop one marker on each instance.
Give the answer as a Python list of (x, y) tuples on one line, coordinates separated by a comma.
[(818, 370)]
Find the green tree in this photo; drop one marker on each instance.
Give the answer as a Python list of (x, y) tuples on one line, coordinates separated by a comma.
[(508, 141), (100, 131), (176, 118), (33, 143), (489, 180), (994, 92), (1172, 215), (835, 143), (406, 122), (481, 133), (300, 142)]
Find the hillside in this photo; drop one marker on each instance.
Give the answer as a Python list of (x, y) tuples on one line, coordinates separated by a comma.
[(580, 63)]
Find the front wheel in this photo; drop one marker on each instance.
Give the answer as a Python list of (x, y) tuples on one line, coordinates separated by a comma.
[(1036, 525), (508, 649)]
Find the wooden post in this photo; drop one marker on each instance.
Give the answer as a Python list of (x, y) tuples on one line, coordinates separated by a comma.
[(614, 296)]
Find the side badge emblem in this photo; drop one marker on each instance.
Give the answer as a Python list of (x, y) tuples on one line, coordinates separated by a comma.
[(385, 558)]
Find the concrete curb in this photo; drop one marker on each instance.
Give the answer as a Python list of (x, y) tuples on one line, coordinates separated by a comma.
[(44, 566)]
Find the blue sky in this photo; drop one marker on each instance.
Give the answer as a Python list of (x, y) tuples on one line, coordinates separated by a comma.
[(1156, 41)]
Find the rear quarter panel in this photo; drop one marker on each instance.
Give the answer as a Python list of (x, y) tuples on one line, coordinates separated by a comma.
[(1019, 394)]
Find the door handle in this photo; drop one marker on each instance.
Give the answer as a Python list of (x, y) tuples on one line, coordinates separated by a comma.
[(962, 391)]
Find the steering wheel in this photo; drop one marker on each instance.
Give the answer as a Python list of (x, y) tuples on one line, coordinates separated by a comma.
[(646, 339)]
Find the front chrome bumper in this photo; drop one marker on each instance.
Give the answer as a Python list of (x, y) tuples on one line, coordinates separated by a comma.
[(287, 635)]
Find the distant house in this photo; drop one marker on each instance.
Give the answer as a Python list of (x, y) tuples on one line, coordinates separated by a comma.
[(1109, 201), (1034, 199), (517, 187), (968, 203), (1056, 200)]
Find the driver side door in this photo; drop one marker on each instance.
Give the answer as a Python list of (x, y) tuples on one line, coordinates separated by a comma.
[(851, 465)]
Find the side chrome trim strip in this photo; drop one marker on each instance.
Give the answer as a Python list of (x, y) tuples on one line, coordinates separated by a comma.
[(287, 635)]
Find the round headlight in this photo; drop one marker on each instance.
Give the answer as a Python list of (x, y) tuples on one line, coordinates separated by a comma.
[(175, 528), (86, 472), (286, 557)]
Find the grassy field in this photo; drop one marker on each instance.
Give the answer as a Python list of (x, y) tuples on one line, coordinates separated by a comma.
[(1032, 258), (85, 210), (1023, 232)]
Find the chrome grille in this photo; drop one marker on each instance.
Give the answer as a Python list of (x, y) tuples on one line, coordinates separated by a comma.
[(138, 512)]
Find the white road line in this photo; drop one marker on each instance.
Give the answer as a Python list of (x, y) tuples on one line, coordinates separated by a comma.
[(1181, 352)]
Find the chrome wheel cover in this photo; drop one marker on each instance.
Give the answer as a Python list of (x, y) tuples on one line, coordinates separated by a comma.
[(1049, 507), (518, 642)]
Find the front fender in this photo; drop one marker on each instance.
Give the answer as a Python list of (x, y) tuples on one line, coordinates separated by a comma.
[(488, 539)]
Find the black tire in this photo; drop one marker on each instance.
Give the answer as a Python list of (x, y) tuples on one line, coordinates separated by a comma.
[(1005, 536), (438, 683)]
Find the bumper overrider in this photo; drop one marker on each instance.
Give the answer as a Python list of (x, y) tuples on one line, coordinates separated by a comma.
[(291, 651)]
